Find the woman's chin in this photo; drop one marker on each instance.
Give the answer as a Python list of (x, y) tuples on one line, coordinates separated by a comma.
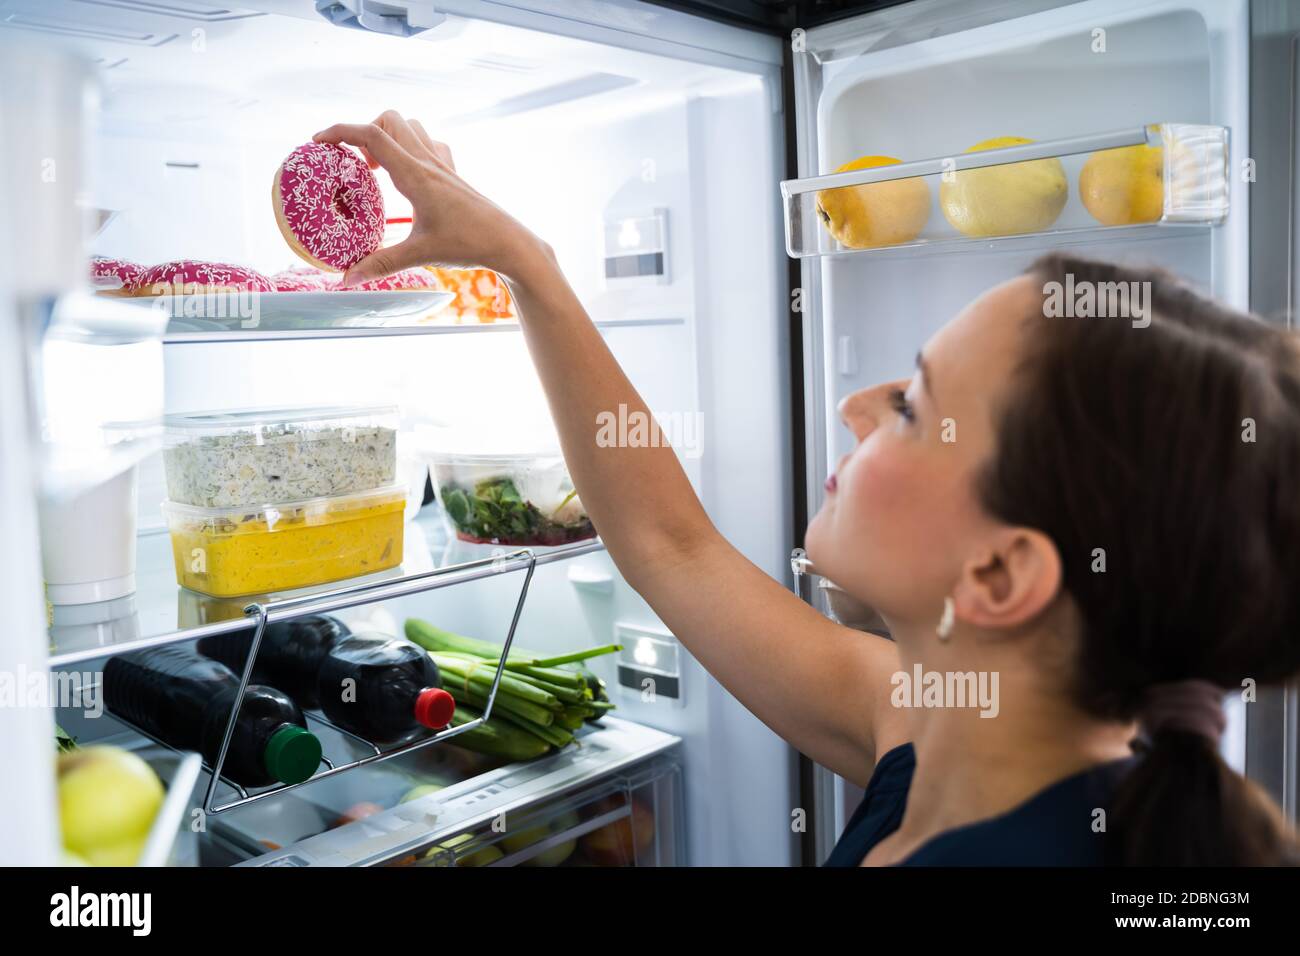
[(814, 537), (824, 549)]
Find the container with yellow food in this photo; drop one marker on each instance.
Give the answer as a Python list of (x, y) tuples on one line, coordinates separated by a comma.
[(226, 552)]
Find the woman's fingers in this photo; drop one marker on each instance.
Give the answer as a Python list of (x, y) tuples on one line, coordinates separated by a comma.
[(440, 151), (376, 143), (384, 262), (392, 123), (418, 128)]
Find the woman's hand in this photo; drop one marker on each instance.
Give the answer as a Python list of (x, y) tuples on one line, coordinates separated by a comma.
[(453, 225)]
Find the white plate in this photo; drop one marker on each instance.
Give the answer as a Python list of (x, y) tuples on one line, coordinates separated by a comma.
[(280, 311)]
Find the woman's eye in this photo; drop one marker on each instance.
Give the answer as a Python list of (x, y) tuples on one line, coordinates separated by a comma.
[(899, 403)]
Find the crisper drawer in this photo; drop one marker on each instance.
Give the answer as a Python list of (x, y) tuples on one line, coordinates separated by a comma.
[(625, 819), (614, 799)]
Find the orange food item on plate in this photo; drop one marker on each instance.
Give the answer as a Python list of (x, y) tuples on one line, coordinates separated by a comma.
[(481, 296)]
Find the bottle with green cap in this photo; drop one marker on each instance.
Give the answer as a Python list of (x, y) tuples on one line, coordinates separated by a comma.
[(184, 699)]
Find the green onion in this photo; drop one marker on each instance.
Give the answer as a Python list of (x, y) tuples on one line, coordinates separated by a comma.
[(552, 675), (436, 639), (496, 738), (577, 655), (566, 694), (484, 675), (555, 736), (502, 703)]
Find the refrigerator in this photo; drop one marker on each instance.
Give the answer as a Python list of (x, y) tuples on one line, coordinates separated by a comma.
[(672, 155)]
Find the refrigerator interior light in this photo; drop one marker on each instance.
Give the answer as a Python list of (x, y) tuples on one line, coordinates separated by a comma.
[(644, 653), (629, 236), (649, 663), (636, 248)]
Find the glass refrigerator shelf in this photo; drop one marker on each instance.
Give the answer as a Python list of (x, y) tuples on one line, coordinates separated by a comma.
[(1121, 184)]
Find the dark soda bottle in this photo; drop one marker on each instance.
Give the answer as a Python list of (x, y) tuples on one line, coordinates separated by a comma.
[(382, 688), (289, 656), (184, 699)]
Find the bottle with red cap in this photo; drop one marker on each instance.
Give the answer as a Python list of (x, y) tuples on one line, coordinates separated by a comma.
[(385, 689)]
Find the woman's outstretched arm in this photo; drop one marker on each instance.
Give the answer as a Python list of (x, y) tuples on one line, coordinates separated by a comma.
[(823, 687)]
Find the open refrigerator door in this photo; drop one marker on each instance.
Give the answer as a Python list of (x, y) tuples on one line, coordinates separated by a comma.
[(936, 96)]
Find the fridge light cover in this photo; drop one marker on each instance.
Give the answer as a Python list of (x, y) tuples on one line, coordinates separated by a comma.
[(636, 249), (649, 663)]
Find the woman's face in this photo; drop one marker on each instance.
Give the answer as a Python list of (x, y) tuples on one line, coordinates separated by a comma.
[(901, 516)]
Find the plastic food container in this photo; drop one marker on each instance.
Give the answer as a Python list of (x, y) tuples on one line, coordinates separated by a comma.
[(235, 459), (510, 499), (225, 552)]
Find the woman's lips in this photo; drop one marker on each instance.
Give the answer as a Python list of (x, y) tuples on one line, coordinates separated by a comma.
[(830, 482)]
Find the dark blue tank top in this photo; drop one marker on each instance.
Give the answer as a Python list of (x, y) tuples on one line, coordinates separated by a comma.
[(1055, 827)]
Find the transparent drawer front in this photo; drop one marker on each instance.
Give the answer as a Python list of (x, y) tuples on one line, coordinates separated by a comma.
[(628, 819), (1164, 174), (173, 841)]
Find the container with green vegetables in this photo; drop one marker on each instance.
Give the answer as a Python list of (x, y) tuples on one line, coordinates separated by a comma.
[(517, 500)]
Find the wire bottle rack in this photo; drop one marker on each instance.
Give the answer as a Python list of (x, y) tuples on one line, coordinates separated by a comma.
[(264, 613)]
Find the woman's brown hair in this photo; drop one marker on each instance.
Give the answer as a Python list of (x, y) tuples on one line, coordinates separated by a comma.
[(1163, 460)]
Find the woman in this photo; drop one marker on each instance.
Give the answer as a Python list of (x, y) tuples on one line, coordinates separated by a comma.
[(1114, 534)]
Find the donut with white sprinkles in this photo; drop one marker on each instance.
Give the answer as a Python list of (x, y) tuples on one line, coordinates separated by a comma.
[(328, 206), (114, 276), (194, 276)]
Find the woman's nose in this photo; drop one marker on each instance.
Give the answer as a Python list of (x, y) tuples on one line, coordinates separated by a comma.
[(857, 411)]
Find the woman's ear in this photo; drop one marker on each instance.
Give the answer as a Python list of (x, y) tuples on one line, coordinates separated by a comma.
[(1011, 583)]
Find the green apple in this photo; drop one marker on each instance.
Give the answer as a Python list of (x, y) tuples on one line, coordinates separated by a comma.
[(522, 839), (416, 792), (108, 798), (554, 856), (551, 856)]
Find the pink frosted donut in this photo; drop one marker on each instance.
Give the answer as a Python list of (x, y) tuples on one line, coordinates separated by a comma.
[(192, 276), (406, 280), (303, 280), (115, 276), (328, 205)]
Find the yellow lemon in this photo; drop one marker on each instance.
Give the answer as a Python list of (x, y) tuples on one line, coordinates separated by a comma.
[(1123, 186), (877, 214), (1004, 200)]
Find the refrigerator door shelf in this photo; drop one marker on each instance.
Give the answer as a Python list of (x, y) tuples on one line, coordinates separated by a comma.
[(840, 606), (1169, 174)]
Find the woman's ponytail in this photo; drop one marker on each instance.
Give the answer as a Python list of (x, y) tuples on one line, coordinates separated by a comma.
[(1182, 805)]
